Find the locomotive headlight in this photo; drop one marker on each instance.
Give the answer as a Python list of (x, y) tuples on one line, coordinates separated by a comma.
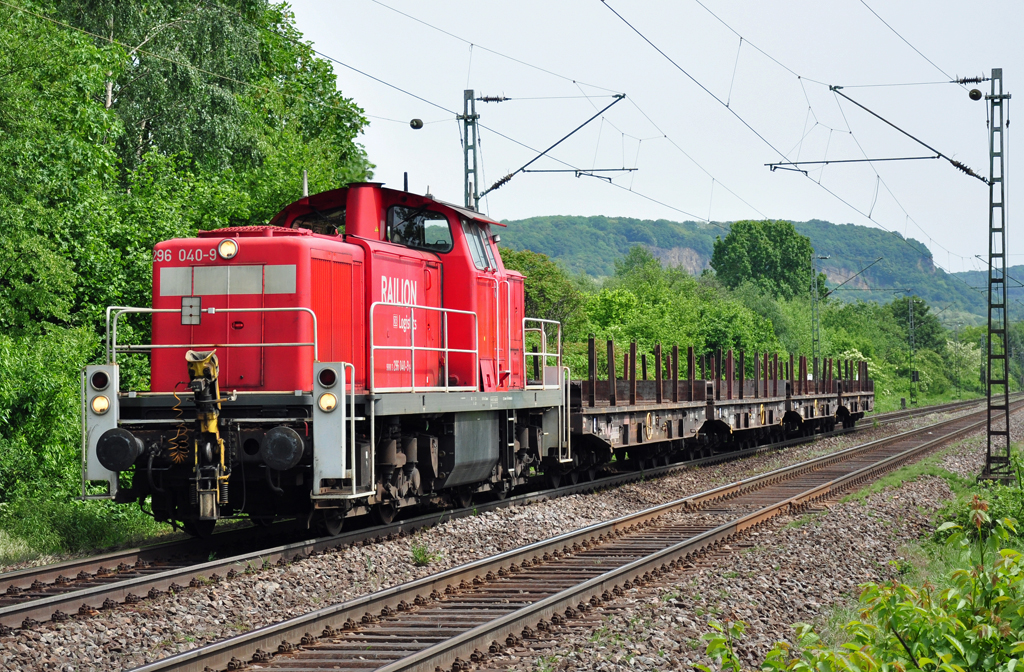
[(327, 377), (99, 380), (327, 402), (100, 404), (227, 248)]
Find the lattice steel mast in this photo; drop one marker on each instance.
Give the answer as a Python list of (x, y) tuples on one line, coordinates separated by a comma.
[(997, 459), (815, 317), (469, 144)]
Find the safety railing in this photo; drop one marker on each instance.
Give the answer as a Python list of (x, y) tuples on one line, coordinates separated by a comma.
[(349, 449), (508, 327), (412, 348), (555, 377), (114, 313), (498, 284), (544, 354), (564, 433)]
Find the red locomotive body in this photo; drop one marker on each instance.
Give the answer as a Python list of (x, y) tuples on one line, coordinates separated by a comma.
[(366, 275)]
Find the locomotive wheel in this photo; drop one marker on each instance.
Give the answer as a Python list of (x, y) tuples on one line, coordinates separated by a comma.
[(331, 522), (573, 477), (201, 529), (554, 480), (592, 474), (385, 512)]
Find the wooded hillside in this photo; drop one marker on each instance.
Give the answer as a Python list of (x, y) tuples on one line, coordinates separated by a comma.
[(592, 245)]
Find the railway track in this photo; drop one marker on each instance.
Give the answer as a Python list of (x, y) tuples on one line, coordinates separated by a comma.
[(464, 615), (57, 592)]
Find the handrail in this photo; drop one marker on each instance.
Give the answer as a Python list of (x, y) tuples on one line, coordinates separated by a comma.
[(544, 353), (563, 417), (351, 440), (413, 348), (113, 348), (508, 325)]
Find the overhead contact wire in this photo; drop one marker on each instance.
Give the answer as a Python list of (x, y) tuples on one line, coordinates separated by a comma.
[(761, 137), (906, 41)]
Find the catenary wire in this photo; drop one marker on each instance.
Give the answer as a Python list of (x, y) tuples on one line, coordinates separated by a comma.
[(491, 51), (479, 124), (758, 134), (906, 41), (849, 129), (511, 58)]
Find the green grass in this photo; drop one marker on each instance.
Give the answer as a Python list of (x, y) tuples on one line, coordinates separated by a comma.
[(924, 560), (423, 556), (887, 403), (930, 465), (31, 528)]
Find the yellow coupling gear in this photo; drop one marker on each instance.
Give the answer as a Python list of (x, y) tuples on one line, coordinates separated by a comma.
[(203, 372)]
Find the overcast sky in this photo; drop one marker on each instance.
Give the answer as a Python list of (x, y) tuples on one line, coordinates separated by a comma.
[(695, 158)]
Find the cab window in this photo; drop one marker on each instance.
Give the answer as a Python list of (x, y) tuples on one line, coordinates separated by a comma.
[(486, 242), (419, 228), (328, 222), (482, 258)]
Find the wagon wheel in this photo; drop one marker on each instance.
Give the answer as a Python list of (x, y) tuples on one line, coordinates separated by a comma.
[(464, 499)]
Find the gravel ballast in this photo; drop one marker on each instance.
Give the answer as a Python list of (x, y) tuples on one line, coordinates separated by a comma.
[(132, 635), (802, 569)]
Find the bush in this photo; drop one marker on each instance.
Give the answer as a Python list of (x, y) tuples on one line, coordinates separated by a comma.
[(54, 526), (1002, 501), (976, 623)]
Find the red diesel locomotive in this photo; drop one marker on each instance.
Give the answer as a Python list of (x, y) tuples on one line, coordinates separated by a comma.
[(367, 351)]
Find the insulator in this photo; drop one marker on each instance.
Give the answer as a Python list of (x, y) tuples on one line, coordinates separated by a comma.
[(500, 183), (966, 169), (493, 99), (975, 94), (971, 80)]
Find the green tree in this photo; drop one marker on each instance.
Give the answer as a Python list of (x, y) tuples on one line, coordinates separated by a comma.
[(52, 166), (770, 254), (550, 292), (928, 331), (205, 119)]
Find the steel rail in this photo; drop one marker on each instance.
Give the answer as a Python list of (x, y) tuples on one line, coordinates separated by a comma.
[(339, 618), (62, 596), (470, 642), (893, 416)]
